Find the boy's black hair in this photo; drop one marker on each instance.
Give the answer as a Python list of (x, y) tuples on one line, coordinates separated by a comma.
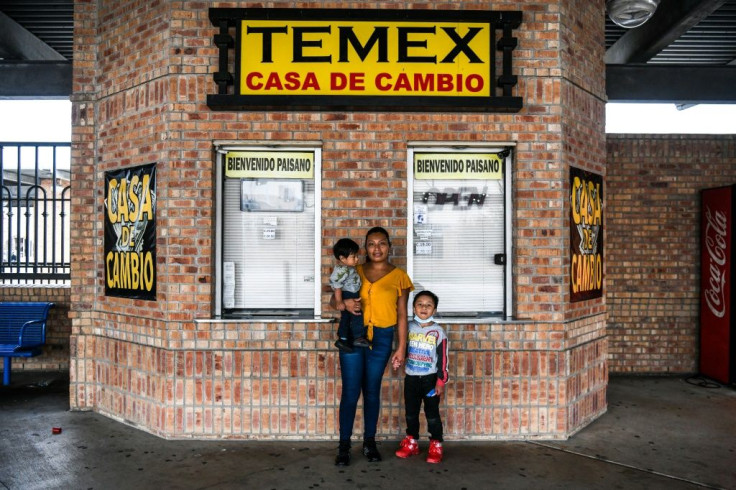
[(344, 247), (426, 293)]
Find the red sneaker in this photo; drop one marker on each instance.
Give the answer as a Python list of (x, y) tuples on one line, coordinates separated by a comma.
[(434, 454), (408, 447)]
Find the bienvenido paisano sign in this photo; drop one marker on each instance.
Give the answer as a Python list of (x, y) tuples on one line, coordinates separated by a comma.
[(369, 59)]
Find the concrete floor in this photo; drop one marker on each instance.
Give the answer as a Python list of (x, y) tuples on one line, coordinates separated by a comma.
[(659, 432)]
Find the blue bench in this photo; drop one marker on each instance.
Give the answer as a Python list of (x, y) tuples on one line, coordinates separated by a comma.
[(22, 331)]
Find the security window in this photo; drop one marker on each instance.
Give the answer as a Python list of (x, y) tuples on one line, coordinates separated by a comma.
[(459, 228), (269, 231)]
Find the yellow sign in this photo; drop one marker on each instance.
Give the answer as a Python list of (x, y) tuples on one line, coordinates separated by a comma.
[(460, 166), (269, 164), (379, 58), (586, 235), (130, 232)]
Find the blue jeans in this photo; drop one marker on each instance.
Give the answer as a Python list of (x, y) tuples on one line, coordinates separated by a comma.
[(362, 371)]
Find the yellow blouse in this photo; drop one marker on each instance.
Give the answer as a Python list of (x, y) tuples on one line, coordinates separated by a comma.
[(378, 299)]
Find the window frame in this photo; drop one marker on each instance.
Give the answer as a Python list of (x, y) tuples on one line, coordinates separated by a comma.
[(221, 148), (444, 147)]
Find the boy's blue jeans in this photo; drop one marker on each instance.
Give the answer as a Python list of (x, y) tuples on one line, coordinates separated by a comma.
[(351, 326), (362, 371)]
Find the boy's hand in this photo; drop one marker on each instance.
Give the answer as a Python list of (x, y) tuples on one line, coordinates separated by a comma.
[(341, 306), (439, 389), (396, 364)]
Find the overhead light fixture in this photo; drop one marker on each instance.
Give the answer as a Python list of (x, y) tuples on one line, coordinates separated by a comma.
[(631, 13)]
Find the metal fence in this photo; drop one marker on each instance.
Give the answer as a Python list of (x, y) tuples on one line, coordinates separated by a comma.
[(35, 205)]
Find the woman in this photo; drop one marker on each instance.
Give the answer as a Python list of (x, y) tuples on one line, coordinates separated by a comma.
[(383, 300)]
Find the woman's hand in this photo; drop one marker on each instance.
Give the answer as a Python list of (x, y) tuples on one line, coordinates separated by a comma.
[(397, 358), (402, 327), (352, 305)]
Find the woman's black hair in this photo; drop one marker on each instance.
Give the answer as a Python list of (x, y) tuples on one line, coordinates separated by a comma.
[(345, 247), (426, 293), (376, 229)]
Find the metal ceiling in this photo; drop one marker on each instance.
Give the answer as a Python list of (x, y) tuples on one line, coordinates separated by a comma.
[(51, 21), (685, 54), (710, 42), (36, 48), (700, 32)]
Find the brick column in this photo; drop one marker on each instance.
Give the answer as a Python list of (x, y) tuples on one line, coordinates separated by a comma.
[(85, 208), (583, 146)]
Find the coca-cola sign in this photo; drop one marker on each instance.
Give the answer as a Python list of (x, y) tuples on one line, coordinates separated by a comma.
[(716, 227), (717, 328)]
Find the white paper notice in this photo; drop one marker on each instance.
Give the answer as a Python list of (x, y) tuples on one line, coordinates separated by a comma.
[(228, 284), (420, 214), (423, 233), (423, 248)]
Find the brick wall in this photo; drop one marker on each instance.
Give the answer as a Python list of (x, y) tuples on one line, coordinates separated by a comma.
[(141, 79), (653, 245), (651, 278), (282, 381)]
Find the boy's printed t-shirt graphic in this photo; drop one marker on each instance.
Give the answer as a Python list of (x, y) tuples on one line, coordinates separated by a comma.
[(427, 351), (345, 278), (421, 348)]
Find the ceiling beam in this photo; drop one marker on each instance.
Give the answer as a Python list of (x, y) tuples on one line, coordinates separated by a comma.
[(671, 20), (675, 84), (17, 43), (35, 79)]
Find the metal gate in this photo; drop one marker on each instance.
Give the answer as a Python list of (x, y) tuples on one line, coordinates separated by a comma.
[(35, 205)]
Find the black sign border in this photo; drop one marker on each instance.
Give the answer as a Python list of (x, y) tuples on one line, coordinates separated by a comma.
[(228, 97)]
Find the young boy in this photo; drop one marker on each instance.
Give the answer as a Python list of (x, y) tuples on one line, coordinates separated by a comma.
[(426, 376), (345, 282)]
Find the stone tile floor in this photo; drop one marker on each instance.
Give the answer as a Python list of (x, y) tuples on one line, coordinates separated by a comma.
[(658, 432)]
